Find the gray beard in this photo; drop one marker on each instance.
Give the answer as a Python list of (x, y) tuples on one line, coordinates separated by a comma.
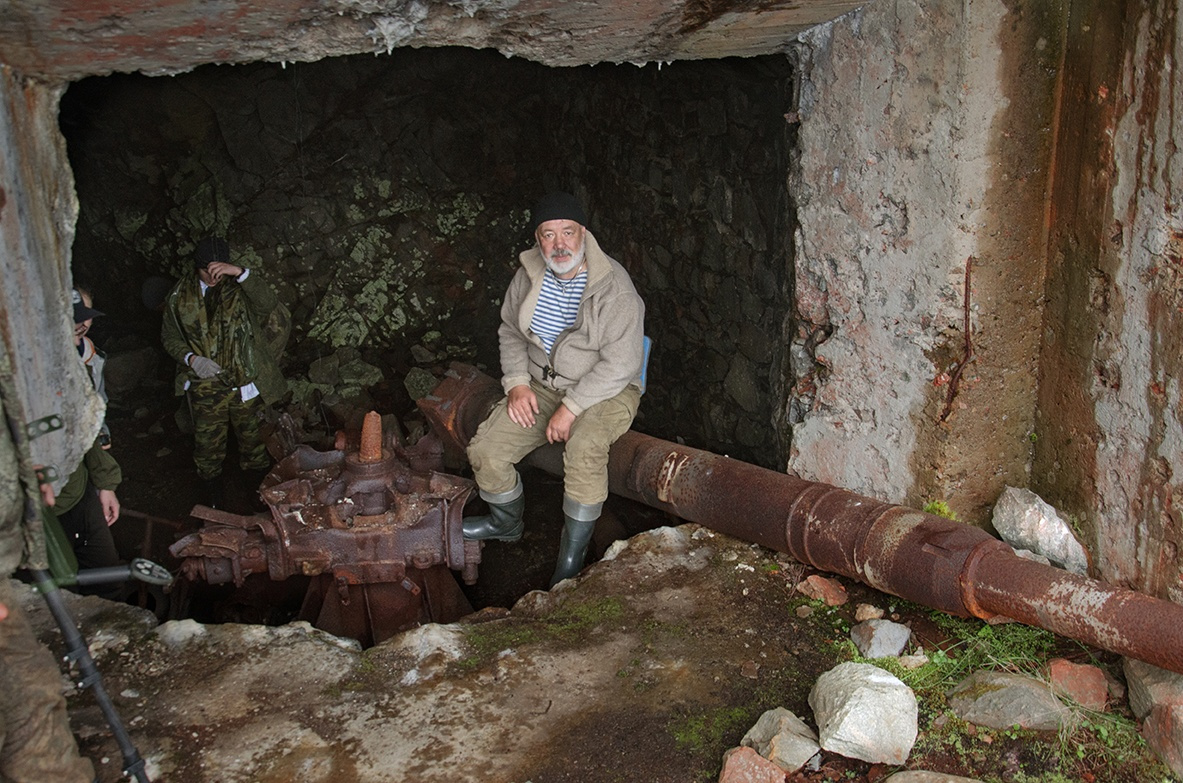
[(558, 268)]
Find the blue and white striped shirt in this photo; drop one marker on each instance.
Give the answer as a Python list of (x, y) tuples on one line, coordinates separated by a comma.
[(558, 304)]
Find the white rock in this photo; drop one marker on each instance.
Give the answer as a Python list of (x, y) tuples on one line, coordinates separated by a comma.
[(880, 638), (1025, 521), (178, 633), (782, 738), (865, 713)]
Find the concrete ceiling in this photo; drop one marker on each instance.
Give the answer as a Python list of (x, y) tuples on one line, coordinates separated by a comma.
[(66, 40)]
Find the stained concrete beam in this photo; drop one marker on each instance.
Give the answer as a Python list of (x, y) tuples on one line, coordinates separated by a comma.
[(65, 40)]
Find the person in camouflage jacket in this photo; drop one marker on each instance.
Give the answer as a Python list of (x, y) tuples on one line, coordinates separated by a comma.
[(213, 328), (35, 738)]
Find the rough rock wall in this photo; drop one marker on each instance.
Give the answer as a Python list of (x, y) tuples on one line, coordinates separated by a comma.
[(37, 209), (686, 166), (386, 200), (925, 131), (1111, 444)]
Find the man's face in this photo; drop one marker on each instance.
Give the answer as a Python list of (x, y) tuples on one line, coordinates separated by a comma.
[(561, 242), (80, 329)]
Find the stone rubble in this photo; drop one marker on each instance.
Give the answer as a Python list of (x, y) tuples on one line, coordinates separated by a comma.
[(822, 588), (864, 612), (1026, 522), (744, 765), (1156, 698), (1084, 684), (1002, 700), (865, 712), (782, 738), (880, 638)]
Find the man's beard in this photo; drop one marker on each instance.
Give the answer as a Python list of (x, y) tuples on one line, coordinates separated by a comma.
[(572, 263)]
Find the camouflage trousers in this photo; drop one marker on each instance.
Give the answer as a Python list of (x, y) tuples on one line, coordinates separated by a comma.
[(35, 739), (216, 411)]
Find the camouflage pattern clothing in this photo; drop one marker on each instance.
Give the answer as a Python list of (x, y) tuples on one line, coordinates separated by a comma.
[(234, 335), (215, 407), (35, 739)]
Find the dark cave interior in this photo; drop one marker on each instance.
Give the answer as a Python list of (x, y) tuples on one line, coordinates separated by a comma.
[(385, 200)]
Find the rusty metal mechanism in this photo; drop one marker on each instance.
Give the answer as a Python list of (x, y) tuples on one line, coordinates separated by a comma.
[(377, 528), (921, 557)]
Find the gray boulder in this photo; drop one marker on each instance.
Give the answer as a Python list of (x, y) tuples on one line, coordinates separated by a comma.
[(1001, 700), (1025, 521), (880, 638), (865, 713), (783, 738)]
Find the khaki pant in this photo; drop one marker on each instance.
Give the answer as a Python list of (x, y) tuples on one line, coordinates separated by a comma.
[(499, 444), (35, 740)]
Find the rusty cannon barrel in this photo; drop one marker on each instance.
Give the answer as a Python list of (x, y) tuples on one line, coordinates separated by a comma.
[(927, 559)]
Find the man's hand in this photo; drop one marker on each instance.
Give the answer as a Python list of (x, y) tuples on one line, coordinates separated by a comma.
[(46, 489), (204, 367), (3, 611), (523, 405), (220, 269), (558, 429), (110, 505)]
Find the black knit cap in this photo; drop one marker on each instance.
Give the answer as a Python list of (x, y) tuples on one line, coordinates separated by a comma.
[(209, 250), (557, 206)]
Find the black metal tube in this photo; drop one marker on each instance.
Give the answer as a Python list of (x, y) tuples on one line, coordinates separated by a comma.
[(77, 651), (102, 576)]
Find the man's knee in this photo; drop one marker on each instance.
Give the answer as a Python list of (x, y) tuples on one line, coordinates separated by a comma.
[(483, 453)]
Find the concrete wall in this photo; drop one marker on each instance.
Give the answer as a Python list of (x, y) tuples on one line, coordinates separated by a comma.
[(1111, 445), (924, 139), (37, 213)]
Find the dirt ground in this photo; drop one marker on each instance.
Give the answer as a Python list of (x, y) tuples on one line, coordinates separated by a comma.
[(655, 716)]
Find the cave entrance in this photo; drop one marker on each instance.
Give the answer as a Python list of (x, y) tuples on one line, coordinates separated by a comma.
[(386, 198)]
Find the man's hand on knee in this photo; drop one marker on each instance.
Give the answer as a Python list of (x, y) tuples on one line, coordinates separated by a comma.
[(558, 429), (523, 406)]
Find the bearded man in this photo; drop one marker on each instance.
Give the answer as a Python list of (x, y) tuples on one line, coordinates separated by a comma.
[(571, 339)]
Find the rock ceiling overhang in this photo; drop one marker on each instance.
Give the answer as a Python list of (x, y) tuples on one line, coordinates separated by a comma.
[(66, 40)]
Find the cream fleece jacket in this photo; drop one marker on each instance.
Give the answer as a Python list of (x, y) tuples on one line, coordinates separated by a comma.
[(599, 355)]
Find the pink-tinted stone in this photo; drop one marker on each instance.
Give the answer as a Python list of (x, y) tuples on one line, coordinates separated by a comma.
[(1084, 684), (745, 765), (823, 589), (1163, 732)]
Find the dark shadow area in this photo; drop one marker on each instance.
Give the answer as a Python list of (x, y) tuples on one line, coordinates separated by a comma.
[(385, 201)]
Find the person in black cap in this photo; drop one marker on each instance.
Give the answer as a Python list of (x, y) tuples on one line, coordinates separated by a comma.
[(212, 326), (93, 359), (571, 337), (88, 505)]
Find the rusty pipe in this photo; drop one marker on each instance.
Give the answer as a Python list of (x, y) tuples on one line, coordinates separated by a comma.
[(930, 560)]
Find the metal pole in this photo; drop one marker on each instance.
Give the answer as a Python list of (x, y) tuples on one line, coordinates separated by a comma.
[(76, 650)]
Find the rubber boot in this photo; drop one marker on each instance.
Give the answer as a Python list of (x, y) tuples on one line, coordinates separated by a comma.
[(213, 494), (579, 522), (504, 520)]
